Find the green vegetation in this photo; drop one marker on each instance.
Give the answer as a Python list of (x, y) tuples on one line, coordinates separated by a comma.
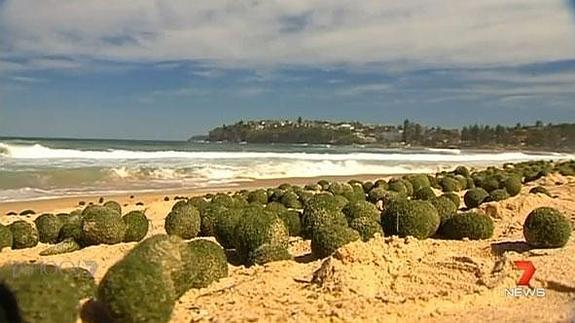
[(184, 222), (539, 190), (267, 253), (258, 196), (361, 209), (547, 227), (206, 263), (64, 246), (114, 206), (102, 225), (449, 184), (291, 200), (321, 210), (366, 227), (328, 238), (142, 286), (474, 197), (41, 293), (454, 198), (425, 193), (561, 136), (83, 280), (225, 226), (472, 225), (6, 239), (445, 207), (513, 185), (70, 231), (498, 195), (209, 217), (292, 221), (137, 226), (24, 235), (48, 226), (410, 218), (256, 228)]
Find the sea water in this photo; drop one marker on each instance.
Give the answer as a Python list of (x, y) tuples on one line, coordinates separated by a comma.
[(47, 168)]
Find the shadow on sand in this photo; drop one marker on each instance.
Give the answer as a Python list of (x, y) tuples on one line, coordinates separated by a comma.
[(499, 248)]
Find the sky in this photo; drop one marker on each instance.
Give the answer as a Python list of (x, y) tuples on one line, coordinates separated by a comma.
[(169, 69)]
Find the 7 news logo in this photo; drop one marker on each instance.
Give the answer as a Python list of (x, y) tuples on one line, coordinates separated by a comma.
[(523, 288)]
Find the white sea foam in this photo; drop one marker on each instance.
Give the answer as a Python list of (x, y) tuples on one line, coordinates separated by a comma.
[(41, 152)]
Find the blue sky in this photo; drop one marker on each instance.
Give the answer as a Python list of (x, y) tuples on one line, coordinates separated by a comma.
[(169, 69)]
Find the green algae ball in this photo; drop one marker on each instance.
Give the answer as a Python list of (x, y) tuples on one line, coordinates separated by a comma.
[(206, 263), (361, 209), (291, 200), (425, 193), (539, 190), (327, 239), (114, 206), (267, 253), (472, 225), (258, 196), (209, 217), (225, 226), (513, 185), (292, 221), (137, 226), (546, 227), (258, 227), (38, 293), (84, 281), (70, 231), (6, 239), (475, 197), (48, 226), (184, 222), (24, 235), (498, 195), (102, 225), (366, 227), (454, 198), (445, 207), (410, 218)]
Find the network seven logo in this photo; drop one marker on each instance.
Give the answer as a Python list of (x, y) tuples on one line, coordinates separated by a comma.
[(523, 288)]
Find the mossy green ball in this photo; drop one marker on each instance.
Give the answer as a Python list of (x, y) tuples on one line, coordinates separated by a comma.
[(42, 293), (474, 197), (48, 226), (547, 227), (498, 195), (24, 235), (6, 239), (137, 226), (206, 263), (425, 193), (513, 185), (267, 253), (472, 225), (361, 209), (102, 225), (366, 227), (258, 227), (410, 218), (114, 206), (327, 239), (84, 281), (225, 226), (184, 222)]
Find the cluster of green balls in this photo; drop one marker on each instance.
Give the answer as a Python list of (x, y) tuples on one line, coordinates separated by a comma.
[(95, 224)]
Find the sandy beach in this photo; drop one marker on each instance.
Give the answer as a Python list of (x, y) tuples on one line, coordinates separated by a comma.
[(384, 280)]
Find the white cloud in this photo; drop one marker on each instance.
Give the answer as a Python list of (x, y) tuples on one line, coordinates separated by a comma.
[(231, 33)]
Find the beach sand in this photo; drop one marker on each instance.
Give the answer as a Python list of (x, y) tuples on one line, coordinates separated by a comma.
[(384, 280)]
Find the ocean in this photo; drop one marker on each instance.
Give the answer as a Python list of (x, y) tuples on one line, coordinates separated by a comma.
[(49, 168)]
